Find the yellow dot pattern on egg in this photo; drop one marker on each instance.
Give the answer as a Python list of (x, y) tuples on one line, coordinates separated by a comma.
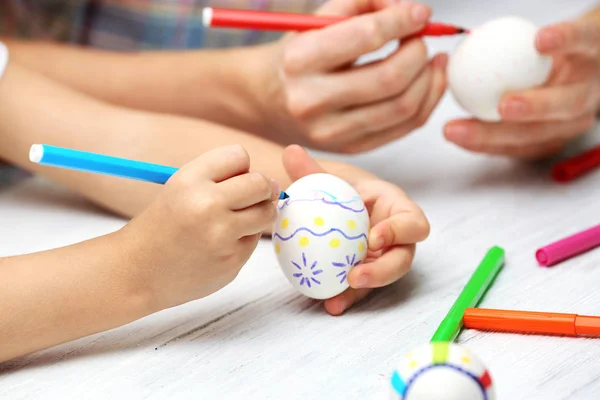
[(361, 247), (413, 364), (334, 243), (319, 221), (466, 360), (351, 224), (304, 241), (277, 248), (285, 223)]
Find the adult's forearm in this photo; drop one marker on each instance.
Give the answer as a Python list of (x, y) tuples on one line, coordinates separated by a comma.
[(56, 296), (214, 85)]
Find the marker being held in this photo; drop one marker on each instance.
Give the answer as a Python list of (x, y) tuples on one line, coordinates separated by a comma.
[(102, 164)]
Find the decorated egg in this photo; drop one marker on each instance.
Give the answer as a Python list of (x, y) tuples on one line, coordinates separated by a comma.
[(320, 234), (496, 58), (441, 371)]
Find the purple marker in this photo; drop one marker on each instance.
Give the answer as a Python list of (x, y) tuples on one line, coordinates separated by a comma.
[(568, 247)]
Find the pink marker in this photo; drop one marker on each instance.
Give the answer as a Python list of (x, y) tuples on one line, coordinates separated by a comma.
[(568, 247)]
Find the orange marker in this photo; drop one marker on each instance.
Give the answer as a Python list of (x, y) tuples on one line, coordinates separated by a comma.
[(532, 322)]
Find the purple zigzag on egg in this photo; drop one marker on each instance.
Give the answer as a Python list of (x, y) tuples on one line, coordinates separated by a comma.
[(286, 238), (333, 203)]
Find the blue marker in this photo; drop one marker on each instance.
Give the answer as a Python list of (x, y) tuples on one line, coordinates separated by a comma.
[(61, 157)]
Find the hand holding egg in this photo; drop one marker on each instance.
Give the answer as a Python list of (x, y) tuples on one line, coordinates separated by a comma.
[(546, 91), (395, 224)]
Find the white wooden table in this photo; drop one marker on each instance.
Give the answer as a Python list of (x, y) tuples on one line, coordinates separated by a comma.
[(259, 339)]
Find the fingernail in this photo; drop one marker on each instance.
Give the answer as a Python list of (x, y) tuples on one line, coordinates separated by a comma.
[(419, 13), (276, 188), (376, 242), (457, 133), (513, 108), (440, 61), (363, 281), (548, 39)]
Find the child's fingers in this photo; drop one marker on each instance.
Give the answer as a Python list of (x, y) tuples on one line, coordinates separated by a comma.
[(402, 228), (255, 219), (340, 303), (221, 163), (246, 190), (388, 268), (298, 163)]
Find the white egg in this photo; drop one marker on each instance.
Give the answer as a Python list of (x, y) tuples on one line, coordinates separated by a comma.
[(320, 234), (441, 371), (496, 58)]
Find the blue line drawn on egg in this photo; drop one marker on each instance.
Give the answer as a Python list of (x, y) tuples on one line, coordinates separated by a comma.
[(313, 272), (341, 204), (286, 238), (349, 263)]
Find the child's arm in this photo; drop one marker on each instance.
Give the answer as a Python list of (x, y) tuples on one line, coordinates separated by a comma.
[(207, 84), (34, 109), (59, 295), (190, 242)]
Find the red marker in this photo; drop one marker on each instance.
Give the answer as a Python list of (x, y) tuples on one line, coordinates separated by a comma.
[(265, 20), (573, 168)]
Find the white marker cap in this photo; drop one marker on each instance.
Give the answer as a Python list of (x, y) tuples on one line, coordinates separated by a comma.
[(36, 153), (207, 14)]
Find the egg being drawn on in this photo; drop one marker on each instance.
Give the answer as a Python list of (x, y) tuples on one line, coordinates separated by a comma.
[(496, 58), (320, 234)]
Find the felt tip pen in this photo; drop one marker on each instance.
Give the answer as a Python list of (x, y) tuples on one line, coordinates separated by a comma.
[(568, 247), (471, 295), (532, 322), (61, 157), (278, 21), (572, 168)]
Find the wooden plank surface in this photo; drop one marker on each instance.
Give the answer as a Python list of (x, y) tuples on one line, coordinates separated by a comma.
[(259, 339)]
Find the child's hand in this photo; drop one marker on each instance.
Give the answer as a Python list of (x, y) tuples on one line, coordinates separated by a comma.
[(397, 224), (201, 229)]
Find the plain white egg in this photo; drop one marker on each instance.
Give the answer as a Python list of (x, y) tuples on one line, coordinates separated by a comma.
[(496, 58), (320, 234)]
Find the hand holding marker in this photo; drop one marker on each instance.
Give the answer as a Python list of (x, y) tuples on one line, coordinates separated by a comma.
[(44, 154)]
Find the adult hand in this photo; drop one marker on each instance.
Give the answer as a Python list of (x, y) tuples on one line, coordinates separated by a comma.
[(540, 122), (320, 99), (397, 225)]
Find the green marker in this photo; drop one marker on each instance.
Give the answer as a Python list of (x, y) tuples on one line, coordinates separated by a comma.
[(471, 295)]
